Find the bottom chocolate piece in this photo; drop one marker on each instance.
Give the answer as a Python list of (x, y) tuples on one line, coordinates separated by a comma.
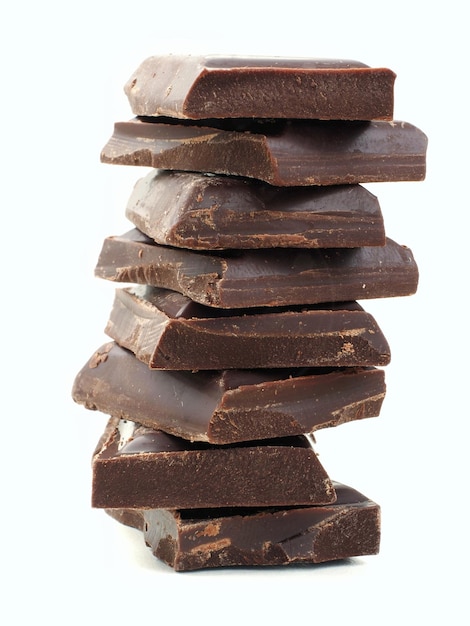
[(202, 538)]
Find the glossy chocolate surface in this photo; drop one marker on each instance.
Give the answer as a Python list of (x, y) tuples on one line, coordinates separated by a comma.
[(201, 212), (167, 330), (279, 152), (216, 86), (227, 406), (145, 468), (252, 278), (191, 540)]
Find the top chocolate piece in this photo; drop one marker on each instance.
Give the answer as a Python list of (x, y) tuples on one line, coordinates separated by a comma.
[(198, 87)]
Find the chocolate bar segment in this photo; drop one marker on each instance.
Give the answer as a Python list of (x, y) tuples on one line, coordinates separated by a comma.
[(254, 278), (223, 407), (198, 87), (279, 152), (201, 212), (168, 330), (191, 540), (144, 468)]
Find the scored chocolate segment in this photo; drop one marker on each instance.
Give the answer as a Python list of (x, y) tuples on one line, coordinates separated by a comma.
[(201, 212), (228, 406), (167, 330), (196, 539), (217, 86), (252, 278), (280, 152), (152, 469)]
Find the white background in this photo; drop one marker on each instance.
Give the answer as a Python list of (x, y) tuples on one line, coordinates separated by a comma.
[(63, 71)]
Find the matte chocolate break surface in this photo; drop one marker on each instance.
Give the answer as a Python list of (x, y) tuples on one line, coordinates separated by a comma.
[(208, 212), (227, 406), (280, 152), (138, 467), (168, 330), (217, 86), (252, 278), (191, 540)]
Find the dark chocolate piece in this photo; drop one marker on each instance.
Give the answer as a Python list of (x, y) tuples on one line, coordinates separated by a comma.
[(227, 406), (138, 467), (215, 86), (201, 212), (251, 278), (280, 152), (191, 540), (168, 330)]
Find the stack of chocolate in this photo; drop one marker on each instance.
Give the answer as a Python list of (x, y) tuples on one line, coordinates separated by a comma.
[(238, 333)]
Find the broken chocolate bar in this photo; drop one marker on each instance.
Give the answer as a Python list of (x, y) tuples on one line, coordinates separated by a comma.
[(198, 87), (138, 467), (229, 406), (196, 539), (279, 152), (201, 212), (168, 330), (253, 278)]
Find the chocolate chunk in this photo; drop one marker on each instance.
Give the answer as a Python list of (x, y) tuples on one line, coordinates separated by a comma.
[(252, 278), (191, 540), (195, 87), (200, 212), (227, 406), (280, 152), (144, 468), (168, 330), (215, 86)]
